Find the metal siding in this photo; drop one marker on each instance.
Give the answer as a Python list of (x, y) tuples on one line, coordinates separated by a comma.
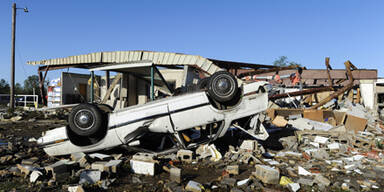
[(159, 58)]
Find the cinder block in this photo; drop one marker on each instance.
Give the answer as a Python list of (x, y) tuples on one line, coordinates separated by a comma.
[(90, 176), (143, 167), (83, 161), (321, 180), (194, 186), (112, 166), (250, 145), (60, 170), (185, 155), (232, 169), (267, 174), (99, 165), (175, 174)]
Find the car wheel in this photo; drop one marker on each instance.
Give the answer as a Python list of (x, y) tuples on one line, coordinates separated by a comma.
[(222, 86), (85, 120), (203, 83)]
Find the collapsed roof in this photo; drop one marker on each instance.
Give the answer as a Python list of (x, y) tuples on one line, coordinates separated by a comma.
[(165, 59)]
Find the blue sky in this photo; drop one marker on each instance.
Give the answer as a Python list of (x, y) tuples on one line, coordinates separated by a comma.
[(306, 31)]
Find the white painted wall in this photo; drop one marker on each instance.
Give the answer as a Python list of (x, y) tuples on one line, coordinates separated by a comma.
[(367, 91), (173, 76)]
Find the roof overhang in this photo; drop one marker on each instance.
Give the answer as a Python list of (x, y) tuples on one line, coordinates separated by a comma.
[(117, 57)]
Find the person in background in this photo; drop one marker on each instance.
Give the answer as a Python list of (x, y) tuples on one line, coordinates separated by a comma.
[(296, 77), (277, 78)]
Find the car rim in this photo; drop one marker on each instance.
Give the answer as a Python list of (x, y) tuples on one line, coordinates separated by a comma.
[(84, 119), (223, 86)]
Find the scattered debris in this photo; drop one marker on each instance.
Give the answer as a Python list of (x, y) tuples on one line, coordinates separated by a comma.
[(267, 174), (194, 186)]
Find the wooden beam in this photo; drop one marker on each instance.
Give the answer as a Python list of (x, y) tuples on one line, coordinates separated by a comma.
[(110, 89), (330, 82), (260, 71), (41, 85), (358, 96), (340, 91)]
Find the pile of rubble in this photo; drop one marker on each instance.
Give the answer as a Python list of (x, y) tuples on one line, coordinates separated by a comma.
[(342, 152)]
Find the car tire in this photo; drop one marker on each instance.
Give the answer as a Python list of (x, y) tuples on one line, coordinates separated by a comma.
[(222, 86), (85, 120), (105, 108), (203, 83)]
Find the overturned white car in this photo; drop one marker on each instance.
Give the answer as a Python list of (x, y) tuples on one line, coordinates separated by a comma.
[(164, 125)]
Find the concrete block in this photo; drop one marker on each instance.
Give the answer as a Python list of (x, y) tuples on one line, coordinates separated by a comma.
[(267, 174), (249, 145), (320, 154), (76, 188), (58, 167), (175, 174), (320, 139), (289, 143), (143, 167), (83, 161), (90, 176), (247, 158), (185, 155), (334, 146), (293, 187), (194, 186), (98, 165), (321, 180), (112, 166), (143, 156), (232, 169), (60, 170)]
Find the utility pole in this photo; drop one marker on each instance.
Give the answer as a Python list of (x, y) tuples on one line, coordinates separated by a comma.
[(12, 90)]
